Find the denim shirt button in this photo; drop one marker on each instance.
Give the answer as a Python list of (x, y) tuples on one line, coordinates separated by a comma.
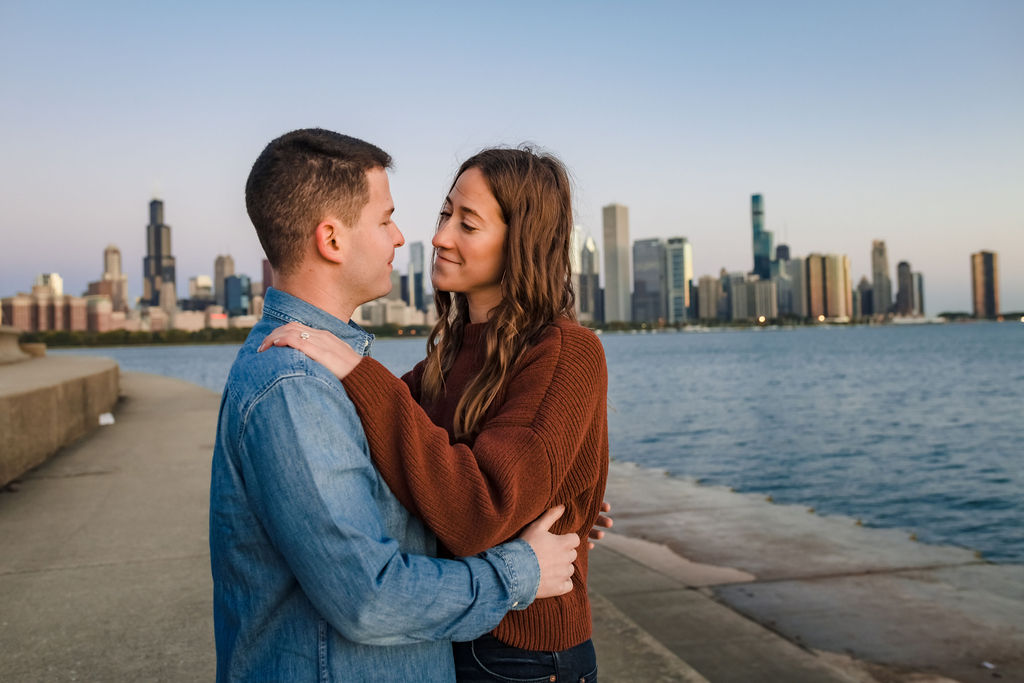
[(515, 604)]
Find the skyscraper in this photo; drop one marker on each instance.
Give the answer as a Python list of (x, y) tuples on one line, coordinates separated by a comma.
[(616, 263), (158, 264), (905, 304), (236, 293), (223, 268), (762, 239), (416, 275), (117, 279), (985, 284), (838, 288), (679, 275), (866, 299), (649, 282), (575, 265), (881, 283), (790, 278), (587, 292), (816, 286), (709, 293), (918, 294)]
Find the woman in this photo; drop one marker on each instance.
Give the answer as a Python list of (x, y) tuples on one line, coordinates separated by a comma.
[(506, 416)]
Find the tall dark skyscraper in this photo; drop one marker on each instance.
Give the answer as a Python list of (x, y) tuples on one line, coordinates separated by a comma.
[(223, 267), (158, 263), (416, 275), (881, 282), (985, 284), (588, 286), (762, 239), (905, 294), (649, 281)]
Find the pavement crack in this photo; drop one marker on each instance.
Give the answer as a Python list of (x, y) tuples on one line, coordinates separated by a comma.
[(99, 565)]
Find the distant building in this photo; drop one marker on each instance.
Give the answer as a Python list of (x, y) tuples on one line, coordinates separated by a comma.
[(816, 287), (576, 238), (790, 278), (42, 310), (416, 276), (905, 293), (762, 239), (215, 317), (918, 294), (223, 268), (709, 293), (881, 282), (236, 294), (838, 288), (53, 282), (735, 297), (985, 284), (396, 286), (588, 286), (616, 263), (113, 283), (98, 311), (678, 278), (200, 287), (649, 285), (865, 307), (158, 264)]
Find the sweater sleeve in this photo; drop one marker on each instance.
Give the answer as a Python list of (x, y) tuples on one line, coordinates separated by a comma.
[(412, 380), (475, 498)]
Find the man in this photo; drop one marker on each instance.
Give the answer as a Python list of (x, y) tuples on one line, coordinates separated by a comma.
[(319, 573)]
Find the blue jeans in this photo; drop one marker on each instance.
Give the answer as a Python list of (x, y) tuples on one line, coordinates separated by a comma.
[(487, 659)]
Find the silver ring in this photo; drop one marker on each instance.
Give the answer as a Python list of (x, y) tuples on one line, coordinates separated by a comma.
[(304, 335)]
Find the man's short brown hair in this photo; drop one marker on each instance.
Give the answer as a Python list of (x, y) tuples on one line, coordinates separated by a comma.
[(300, 179)]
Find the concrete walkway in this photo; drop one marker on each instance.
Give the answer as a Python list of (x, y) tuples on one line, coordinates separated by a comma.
[(104, 574)]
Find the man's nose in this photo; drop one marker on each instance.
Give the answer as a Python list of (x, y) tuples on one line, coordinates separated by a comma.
[(398, 237)]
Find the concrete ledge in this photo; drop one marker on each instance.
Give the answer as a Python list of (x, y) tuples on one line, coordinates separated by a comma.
[(10, 351), (48, 403)]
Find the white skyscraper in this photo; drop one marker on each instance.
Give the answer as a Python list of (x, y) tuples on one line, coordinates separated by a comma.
[(616, 263)]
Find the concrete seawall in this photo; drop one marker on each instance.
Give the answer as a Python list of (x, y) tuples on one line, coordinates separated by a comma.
[(48, 403)]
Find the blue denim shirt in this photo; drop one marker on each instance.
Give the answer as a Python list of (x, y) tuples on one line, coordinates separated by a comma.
[(319, 573)]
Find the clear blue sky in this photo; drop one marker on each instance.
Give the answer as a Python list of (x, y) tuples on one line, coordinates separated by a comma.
[(897, 120)]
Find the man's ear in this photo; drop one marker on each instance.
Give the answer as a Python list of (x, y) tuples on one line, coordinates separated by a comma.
[(329, 240)]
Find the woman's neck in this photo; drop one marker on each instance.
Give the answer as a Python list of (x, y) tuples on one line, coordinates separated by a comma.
[(481, 304)]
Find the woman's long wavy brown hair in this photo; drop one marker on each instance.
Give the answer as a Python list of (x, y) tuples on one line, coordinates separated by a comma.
[(534, 195)]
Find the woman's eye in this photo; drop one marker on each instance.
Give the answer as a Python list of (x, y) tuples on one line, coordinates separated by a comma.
[(468, 228)]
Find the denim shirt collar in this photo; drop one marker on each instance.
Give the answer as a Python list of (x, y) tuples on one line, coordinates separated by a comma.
[(280, 307)]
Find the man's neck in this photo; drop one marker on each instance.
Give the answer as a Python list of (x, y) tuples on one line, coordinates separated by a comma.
[(317, 292)]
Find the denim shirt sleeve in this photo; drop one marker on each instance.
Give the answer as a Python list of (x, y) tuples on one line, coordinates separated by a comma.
[(314, 489)]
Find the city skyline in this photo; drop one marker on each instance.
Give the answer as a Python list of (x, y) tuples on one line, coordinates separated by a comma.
[(856, 123)]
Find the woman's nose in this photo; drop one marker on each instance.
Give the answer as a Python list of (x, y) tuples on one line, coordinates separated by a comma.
[(442, 238)]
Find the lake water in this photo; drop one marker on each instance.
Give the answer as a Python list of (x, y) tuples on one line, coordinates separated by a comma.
[(915, 427)]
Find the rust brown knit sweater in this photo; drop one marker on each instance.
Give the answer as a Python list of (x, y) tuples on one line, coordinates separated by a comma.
[(546, 444)]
